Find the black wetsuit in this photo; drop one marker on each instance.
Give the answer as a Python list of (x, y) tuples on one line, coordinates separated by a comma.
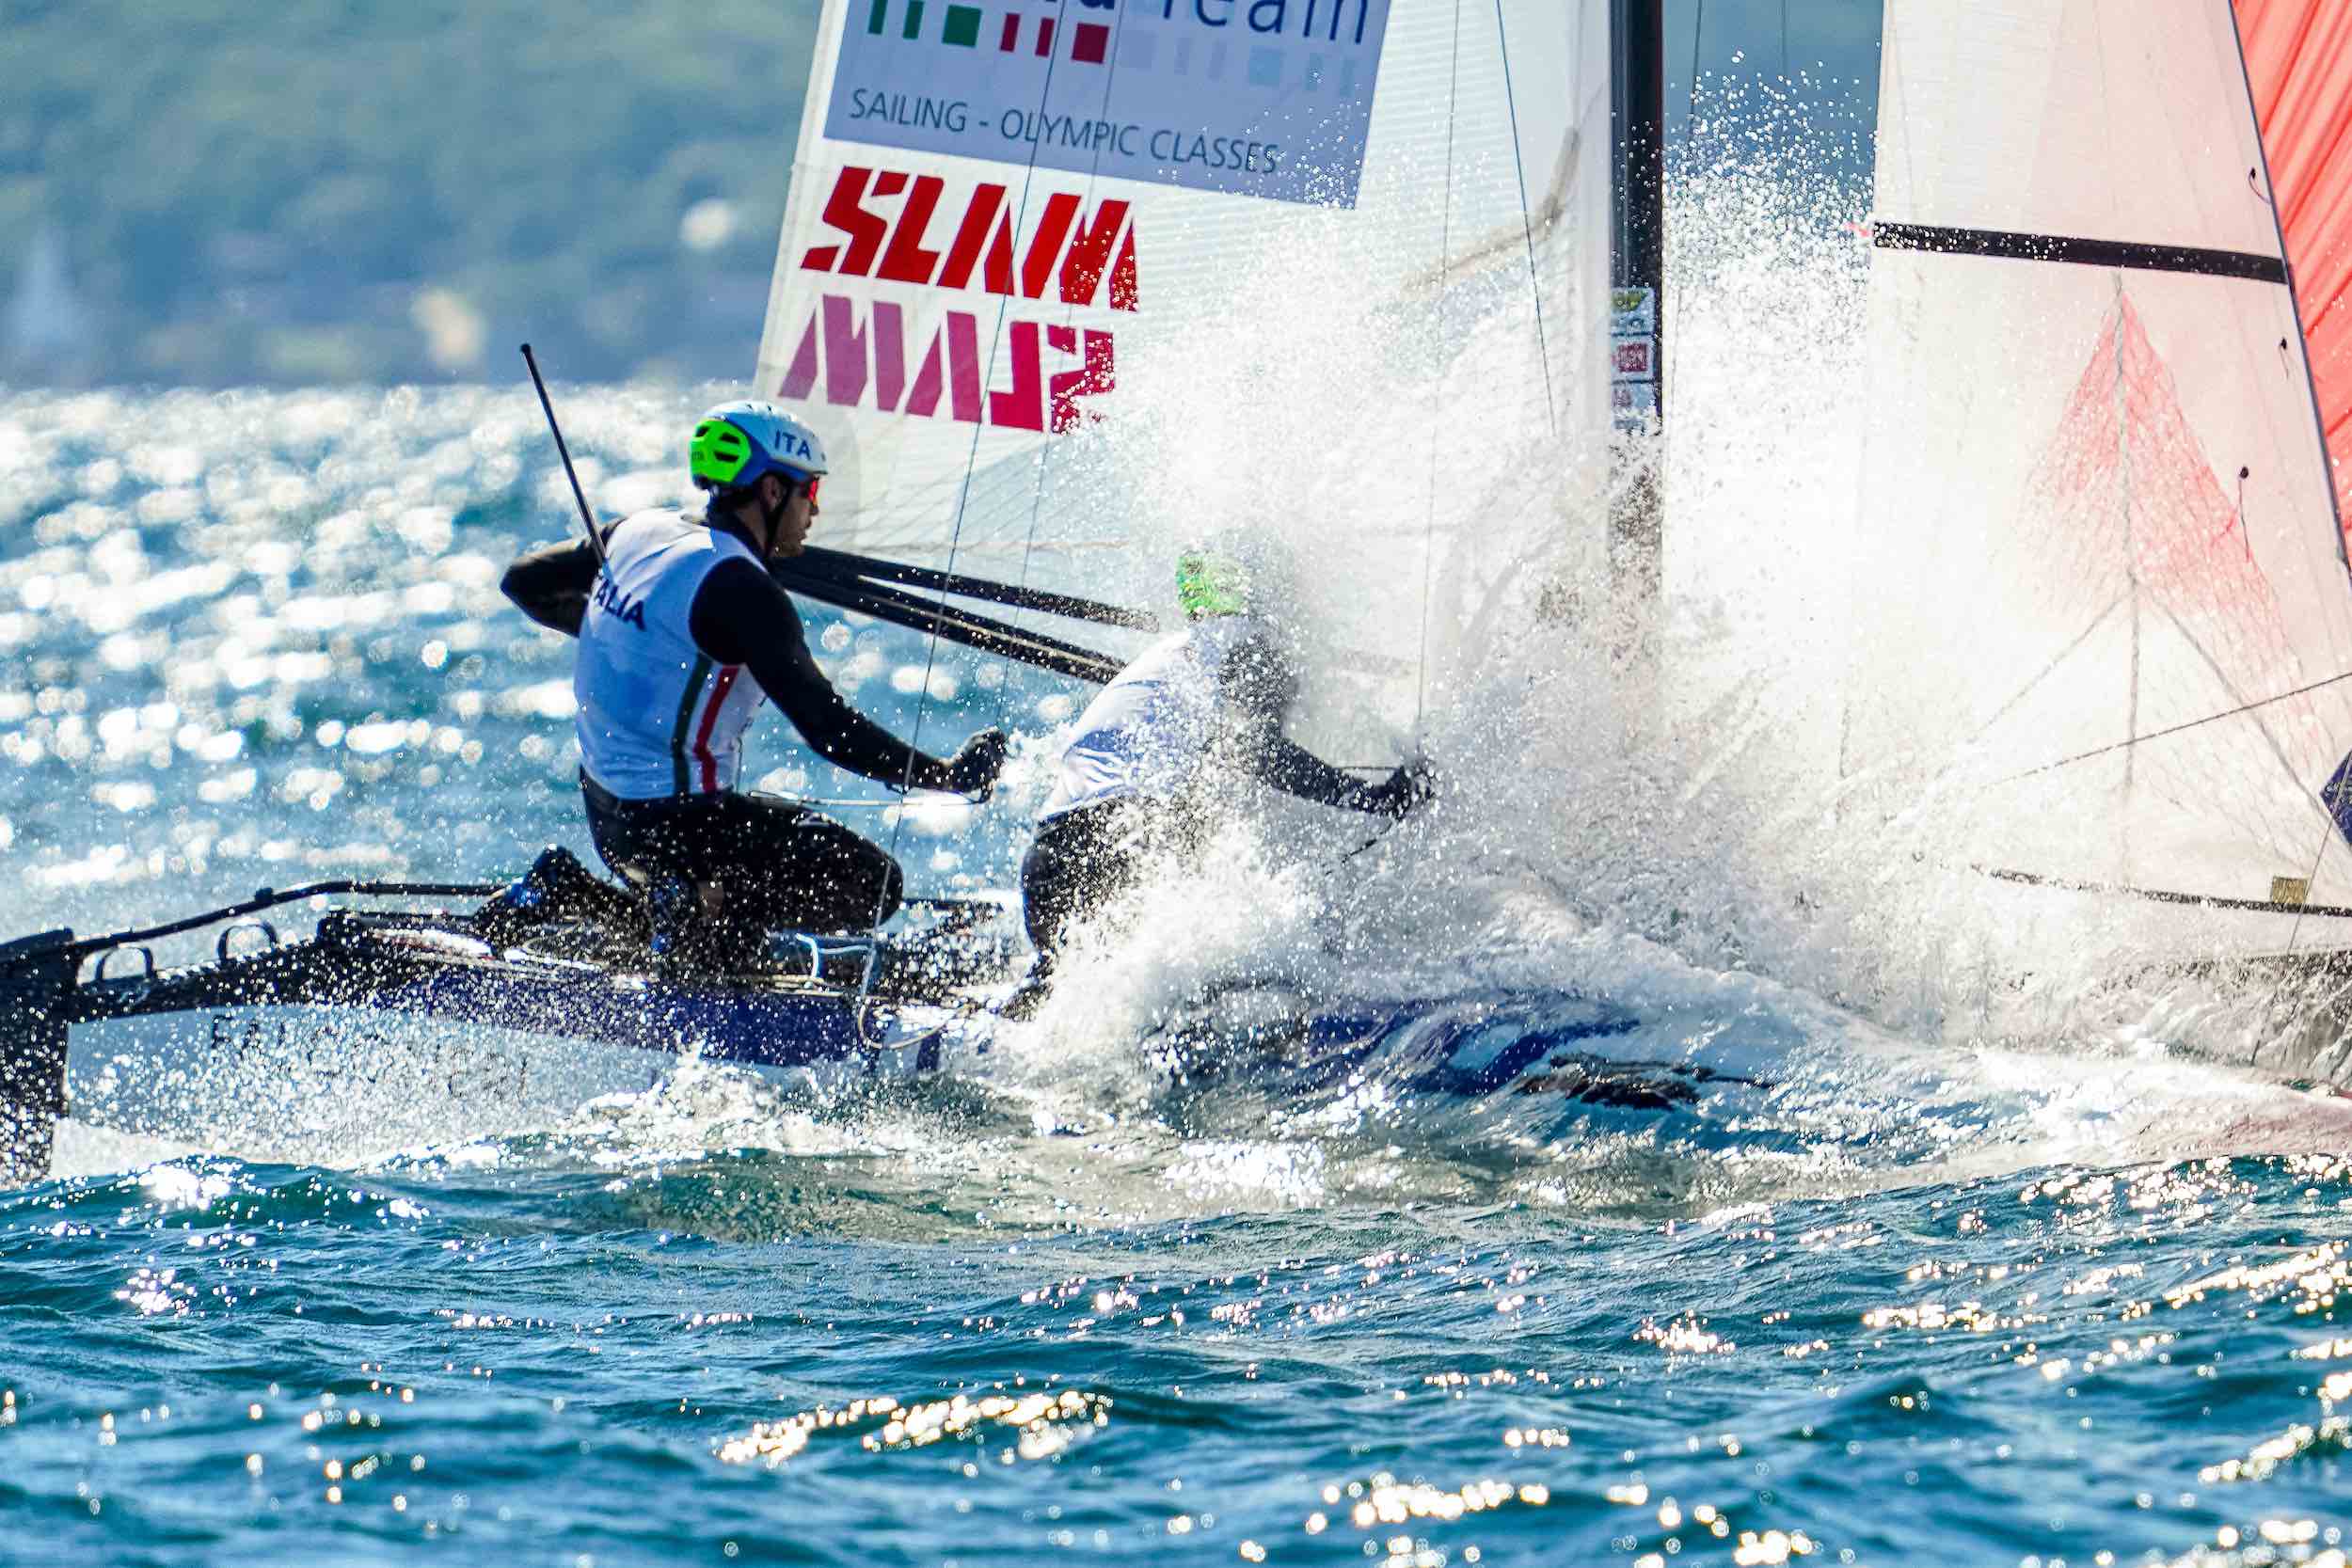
[(782, 866)]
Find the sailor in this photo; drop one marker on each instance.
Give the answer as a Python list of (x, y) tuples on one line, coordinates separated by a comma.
[(1143, 774), (682, 612)]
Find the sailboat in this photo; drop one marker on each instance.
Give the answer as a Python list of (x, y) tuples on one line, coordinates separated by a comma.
[(1065, 281), (1022, 238), (2093, 593), (2101, 629)]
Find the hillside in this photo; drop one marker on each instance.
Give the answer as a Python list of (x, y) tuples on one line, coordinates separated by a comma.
[(313, 191)]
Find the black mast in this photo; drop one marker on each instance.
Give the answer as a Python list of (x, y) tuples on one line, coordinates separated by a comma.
[(1637, 125)]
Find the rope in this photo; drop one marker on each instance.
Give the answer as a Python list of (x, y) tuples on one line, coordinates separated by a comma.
[(1535, 295)]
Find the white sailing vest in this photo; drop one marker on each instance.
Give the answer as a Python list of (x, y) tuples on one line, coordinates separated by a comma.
[(1145, 733), (656, 715)]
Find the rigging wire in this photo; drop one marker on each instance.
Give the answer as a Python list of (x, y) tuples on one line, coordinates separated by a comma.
[(1689, 119), (1445, 260), (1526, 226), (955, 543), (2172, 729), (2312, 876), (2294, 299), (1698, 36), (1045, 454)]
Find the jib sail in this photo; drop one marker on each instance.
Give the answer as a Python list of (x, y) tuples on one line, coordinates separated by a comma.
[(2102, 623)]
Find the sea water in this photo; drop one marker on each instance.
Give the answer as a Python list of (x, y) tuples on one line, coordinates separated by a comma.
[(530, 1354), (1947, 1295)]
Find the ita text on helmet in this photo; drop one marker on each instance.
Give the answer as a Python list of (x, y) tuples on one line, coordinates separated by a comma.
[(737, 443)]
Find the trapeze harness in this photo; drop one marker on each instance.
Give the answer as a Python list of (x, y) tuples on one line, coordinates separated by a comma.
[(659, 717), (681, 636)]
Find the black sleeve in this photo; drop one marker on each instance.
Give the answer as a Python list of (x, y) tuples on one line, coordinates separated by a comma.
[(1258, 685), (1295, 770), (552, 584), (740, 616)]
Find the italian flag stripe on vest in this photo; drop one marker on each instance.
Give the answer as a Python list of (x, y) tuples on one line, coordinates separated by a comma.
[(681, 732)]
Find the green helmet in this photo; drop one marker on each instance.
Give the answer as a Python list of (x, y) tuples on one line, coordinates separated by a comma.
[(736, 442), (1211, 582)]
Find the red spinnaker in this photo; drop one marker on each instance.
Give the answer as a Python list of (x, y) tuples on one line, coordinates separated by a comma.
[(2298, 58)]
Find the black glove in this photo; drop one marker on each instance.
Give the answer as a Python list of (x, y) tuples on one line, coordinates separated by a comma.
[(1396, 796), (972, 771)]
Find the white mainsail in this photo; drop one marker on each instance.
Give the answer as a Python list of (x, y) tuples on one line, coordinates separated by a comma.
[(1014, 298), (2102, 627)]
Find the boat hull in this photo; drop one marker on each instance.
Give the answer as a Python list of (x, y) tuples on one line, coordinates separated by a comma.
[(383, 1032)]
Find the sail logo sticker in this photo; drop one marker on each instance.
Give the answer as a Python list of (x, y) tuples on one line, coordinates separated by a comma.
[(1072, 251), (873, 354), (904, 355), (1264, 98), (1632, 357)]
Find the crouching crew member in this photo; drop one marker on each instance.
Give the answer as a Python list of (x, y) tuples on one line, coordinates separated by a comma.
[(1139, 779)]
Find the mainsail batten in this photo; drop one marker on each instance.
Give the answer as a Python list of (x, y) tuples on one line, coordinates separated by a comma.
[(2109, 606), (2075, 251)]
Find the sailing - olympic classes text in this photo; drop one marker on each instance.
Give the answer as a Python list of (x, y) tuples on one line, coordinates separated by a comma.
[(1164, 144)]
